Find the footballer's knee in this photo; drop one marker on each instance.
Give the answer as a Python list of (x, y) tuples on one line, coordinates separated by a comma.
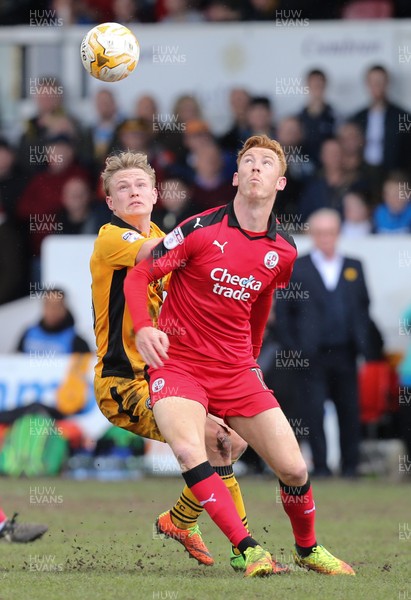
[(218, 444), (294, 474), (188, 454), (238, 446)]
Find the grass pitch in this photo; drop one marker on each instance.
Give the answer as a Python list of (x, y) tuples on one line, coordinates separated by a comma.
[(101, 543)]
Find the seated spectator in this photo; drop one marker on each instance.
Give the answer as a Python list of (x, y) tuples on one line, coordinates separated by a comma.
[(12, 180), (79, 214), (221, 11), (368, 9), (260, 117), (299, 165), (175, 204), (394, 214), (146, 108), (210, 186), (13, 271), (260, 10), (326, 188), (239, 100), (55, 333), (387, 147), (132, 134), (179, 11), (321, 9), (290, 135), (351, 139), (196, 133), (356, 215), (42, 198), (317, 117), (107, 117), (51, 119), (186, 108), (130, 11)]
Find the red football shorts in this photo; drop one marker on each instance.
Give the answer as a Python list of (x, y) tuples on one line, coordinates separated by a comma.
[(223, 391)]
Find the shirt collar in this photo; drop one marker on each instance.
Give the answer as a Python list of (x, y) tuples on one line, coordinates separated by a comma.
[(233, 221), (120, 223), (319, 258)]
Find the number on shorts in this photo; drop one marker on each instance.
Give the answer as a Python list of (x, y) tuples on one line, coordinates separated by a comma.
[(259, 374)]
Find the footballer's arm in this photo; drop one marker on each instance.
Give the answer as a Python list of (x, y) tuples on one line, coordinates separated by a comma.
[(146, 248)]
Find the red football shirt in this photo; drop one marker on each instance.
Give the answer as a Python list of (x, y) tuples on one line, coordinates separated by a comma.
[(221, 290)]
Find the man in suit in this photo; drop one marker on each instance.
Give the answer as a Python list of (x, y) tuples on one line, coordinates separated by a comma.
[(326, 327), (385, 127)]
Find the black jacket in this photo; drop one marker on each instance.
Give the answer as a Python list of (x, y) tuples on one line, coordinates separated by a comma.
[(300, 308)]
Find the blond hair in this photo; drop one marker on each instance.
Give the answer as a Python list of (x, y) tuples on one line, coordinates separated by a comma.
[(123, 161), (263, 141)]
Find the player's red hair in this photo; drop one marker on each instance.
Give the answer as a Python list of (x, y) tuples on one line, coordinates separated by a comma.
[(263, 141)]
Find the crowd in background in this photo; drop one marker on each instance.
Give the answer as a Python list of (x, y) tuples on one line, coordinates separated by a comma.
[(195, 11), (50, 184)]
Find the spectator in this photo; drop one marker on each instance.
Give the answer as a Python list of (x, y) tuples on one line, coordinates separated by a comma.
[(12, 180), (356, 170), (196, 133), (55, 333), (239, 99), (132, 134), (328, 329), (42, 198), (79, 214), (356, 215), (176, 205), (323, 10), (51, 119), (260, 117), (368, 9), (210, 187), (178, 11), (13, 273), (317, 117), (132, 11), (107, 117), (299, 165), (394, 214), (326, 188), (186, 108), (260, 10), (221, 11), (146, 108), (386, 146)]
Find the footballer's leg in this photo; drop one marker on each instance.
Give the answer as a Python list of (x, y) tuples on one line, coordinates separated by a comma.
[(126, 404), (223, 446), (182, 422), (271, 436)]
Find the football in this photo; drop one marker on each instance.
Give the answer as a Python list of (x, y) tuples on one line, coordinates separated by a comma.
[(110, 52)]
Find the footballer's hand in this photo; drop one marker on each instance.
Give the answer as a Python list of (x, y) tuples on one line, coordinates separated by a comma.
[(152, 345)]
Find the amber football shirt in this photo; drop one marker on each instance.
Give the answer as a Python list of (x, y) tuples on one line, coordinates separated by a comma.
[(115, 251)]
